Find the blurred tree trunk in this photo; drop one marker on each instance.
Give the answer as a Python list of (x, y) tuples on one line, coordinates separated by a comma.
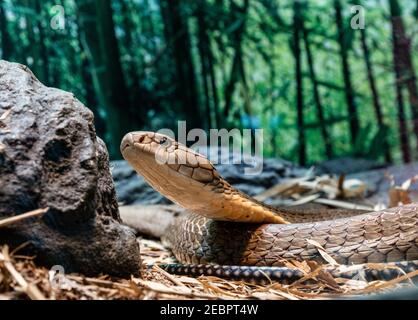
[(33, 48), (220, 43), (177, 31), (376, 99), (237, 37), (349, 92), (273, 125), (6, 42), (405, 73), (56, 73), (100, 40), (128, 42), (207, 60), (86, 71), (149, 24), (297, 29), (204, 47), (133, 50), (416, 9), (214, 88), (316, 94), (403, 125), (42, 43), (18, 31), (273, 9), (90, 95)]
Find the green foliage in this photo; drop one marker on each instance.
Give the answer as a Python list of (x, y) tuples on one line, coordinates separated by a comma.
[(369, 144), (155, 72)]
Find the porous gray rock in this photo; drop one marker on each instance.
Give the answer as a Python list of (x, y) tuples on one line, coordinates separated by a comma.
[(50, 157), (347, 165)]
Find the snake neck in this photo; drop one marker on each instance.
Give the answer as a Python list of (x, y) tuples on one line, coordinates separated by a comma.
[(225, 203), (190, 180)]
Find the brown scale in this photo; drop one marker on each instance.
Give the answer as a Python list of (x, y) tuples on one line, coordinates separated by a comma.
[(257, 244), (384, 236)]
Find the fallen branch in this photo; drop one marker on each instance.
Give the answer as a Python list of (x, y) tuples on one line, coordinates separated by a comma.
[(23, 216), (30, 289), (169, 276), (179, 291), (343, 204)]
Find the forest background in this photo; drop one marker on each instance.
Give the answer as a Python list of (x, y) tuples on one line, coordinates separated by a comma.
[(324, 79)]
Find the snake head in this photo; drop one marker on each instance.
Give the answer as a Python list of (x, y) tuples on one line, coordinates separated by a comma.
[(177, 172), (189, 179), (149, 152), (145, 139)]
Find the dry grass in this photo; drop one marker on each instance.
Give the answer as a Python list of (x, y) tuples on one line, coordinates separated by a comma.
[(20, 278)]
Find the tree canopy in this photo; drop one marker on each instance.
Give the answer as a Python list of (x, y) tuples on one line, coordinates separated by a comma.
[(307, 72)]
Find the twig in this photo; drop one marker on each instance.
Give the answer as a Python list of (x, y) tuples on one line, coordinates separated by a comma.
[(389, 283), (158, 287), (169, 276), (98, 282), (343, 204), (341, 185), (309, 276), (208, 285), (30, 289), (5, 115), (304, 200), (280, 188), (30, 214)]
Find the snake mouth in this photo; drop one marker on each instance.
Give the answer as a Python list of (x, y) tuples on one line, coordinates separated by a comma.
[(126, 145), (127, 142), (124, 148)]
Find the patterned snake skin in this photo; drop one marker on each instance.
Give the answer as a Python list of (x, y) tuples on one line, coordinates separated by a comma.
[(215, 232), (265, 275)]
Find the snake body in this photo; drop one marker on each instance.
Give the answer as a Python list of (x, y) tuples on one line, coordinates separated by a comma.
[(264, 275), (227, 227)]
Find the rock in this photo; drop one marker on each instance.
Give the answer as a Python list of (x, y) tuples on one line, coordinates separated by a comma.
[(50, 157), (347, 165), (150, 220), (409, 293), (379, 184), (132, 189), (272, 171)]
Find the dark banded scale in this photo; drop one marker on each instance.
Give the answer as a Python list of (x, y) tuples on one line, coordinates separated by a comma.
[(265, 275)]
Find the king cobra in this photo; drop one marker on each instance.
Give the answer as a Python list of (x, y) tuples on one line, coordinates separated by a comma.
[(230, 234)]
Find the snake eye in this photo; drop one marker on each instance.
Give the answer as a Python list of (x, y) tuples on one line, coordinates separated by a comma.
[(163, 140)]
